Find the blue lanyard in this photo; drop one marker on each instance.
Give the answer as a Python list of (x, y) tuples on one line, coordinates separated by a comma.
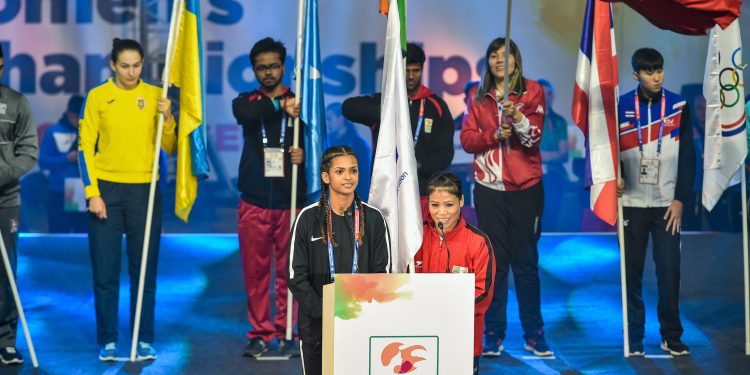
[(420, 119), (355, 261), (661, 122), (282, 131)]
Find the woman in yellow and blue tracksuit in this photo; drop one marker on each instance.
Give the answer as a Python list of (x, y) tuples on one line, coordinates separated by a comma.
[(116, 149)]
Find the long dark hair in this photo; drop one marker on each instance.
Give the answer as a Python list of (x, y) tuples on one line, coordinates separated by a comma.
[(119, 45), (515, 84), (324, 209)]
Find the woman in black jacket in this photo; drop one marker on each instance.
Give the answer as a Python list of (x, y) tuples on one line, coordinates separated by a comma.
[(339, 234)]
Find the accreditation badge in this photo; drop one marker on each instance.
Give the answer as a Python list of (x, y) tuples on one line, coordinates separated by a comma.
[(75, 196), (459, 269), (428, 125), (140, 103), (273, 158), (3, 108), (649, 173)]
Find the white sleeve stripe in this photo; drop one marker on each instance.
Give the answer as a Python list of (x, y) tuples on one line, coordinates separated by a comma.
[(387, 234), (293, 238)]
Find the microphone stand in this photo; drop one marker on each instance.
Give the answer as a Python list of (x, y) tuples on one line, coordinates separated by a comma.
[(447, 249)]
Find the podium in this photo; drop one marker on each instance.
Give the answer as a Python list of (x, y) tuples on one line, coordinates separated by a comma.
[(384, 324)]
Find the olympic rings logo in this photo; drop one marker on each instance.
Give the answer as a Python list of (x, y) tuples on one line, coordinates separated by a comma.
[(735, 84)]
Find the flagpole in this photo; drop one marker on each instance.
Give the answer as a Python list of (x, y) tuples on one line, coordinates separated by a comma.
[(507, 58), (623, 275), (14, 289), (173, 31), (744, 261), (293, 204), (621, 235)]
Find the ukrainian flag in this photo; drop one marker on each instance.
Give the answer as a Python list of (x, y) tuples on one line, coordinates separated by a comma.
[(187, 74)]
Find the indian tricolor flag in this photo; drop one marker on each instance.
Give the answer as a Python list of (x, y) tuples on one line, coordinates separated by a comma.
[(385, 6), (395, 188)]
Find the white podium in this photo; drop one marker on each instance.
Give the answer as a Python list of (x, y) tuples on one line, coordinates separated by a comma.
[(384, 324)]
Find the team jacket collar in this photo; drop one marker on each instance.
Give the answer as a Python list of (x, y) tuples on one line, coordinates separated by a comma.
[(450, 234), (422, 92), (492, 93), (265, 93), (645, 99)]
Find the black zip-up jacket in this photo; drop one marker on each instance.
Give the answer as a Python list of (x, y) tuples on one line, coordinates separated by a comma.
[(308, 261), (434, 150), (19, 149), (258, 190)]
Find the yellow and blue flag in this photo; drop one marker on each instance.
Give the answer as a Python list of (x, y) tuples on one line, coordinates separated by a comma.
[(313, 110), (187, 74)]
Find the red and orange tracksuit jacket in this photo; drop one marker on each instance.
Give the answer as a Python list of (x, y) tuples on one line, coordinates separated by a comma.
[(470, 251)]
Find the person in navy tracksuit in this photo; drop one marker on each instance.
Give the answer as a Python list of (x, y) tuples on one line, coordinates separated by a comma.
[(658, 169)]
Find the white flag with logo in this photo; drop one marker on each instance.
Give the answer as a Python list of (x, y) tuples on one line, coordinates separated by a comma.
[(725, 141), (395, 188)]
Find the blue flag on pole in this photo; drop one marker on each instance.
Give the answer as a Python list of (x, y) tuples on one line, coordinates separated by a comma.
[(313, 112)]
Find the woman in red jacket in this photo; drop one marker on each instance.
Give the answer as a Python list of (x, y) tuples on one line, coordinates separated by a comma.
[(504, 138), (450, 245)]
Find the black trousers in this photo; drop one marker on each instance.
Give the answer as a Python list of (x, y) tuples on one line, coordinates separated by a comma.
[(126, 214), (312, 358), (8, 312), (639, 224), (512, 220)]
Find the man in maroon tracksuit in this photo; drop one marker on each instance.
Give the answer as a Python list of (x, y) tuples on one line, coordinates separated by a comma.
[(266, 116), (431, 122)]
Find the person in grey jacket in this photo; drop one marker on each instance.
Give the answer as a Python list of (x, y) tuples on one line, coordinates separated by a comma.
[(18, 154)]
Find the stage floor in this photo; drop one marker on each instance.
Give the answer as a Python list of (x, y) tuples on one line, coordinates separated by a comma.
[(201, 319)]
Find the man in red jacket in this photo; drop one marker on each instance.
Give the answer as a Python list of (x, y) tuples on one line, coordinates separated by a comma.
[(431, 122)]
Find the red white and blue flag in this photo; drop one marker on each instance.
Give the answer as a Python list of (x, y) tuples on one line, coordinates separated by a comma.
[(595, 107)]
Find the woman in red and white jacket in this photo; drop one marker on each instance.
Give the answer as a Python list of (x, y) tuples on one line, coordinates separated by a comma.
[(450, 245), (504, 138)]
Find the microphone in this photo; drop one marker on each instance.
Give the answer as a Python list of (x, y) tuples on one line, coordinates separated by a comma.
[(447, 249)]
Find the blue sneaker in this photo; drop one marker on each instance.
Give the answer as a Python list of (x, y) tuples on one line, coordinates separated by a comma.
[(674, 347), (536, 344), (490, 349), (108, 353), (145, 352)]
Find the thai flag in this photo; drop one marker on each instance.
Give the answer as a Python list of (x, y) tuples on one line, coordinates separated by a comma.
[(595, 107)]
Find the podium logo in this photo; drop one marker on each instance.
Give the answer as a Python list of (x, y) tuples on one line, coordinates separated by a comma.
[(415, 355), (408, 359)]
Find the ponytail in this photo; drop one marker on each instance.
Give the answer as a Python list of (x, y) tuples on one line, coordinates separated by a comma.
[(120, 45)]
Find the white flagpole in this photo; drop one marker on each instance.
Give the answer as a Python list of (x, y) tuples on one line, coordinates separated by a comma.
[(173, 31), (621, 243), (293, 205), (17, 299), (744, 261), (507, 58)]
